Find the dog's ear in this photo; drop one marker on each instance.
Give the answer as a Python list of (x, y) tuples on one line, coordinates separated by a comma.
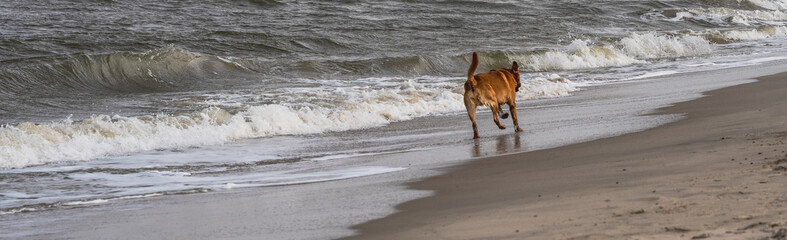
[(515, 67)]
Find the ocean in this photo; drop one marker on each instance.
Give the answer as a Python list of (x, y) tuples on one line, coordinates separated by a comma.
[(104, 101)]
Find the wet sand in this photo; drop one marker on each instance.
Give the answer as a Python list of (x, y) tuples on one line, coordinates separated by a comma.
[(721, 173)]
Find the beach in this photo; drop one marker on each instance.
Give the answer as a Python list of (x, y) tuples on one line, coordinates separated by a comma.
[(279, 119), (719, 174), (712, 169)]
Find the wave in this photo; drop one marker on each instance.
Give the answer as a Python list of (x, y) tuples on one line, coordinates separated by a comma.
[(650, 45), (719, 16), (749, 4), (767, 4), (641, 48), (634, 49), (28, 144), (746, 35), (579, 54), (175, 69), (161, 69), (546, 86), (265, 3)]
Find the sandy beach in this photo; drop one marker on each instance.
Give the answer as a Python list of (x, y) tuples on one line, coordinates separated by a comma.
[(719, 174)]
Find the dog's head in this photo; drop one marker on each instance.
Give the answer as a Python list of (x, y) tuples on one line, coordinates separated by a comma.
[(515, 71)]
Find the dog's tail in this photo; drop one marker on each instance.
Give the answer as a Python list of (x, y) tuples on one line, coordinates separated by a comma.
[(471, 71)]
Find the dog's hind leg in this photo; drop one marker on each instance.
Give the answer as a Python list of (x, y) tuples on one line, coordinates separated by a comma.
[(495, 109), (512, 108), (471, 107), (503, 114)]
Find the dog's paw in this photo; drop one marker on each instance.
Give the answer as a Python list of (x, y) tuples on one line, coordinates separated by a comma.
[(518, 129), (502, 126)]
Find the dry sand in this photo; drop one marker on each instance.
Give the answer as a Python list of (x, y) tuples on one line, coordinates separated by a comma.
[(721, 173)]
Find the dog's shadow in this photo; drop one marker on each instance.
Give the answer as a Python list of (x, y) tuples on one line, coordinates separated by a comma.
[(506, 143)]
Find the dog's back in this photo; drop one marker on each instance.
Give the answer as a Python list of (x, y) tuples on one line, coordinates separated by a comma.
[(495, 87)]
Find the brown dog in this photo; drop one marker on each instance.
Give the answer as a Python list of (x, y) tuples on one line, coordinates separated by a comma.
[(492, 89)]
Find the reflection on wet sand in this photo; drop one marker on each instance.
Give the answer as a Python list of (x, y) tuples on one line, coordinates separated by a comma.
[(506, 143)]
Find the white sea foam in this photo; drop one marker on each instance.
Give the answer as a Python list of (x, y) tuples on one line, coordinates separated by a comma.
[(633, 49), (724, 16), (755, 34), (138, 196), (18, 210), (768, 4), (653, 74), (88, 202), (550, 86), (580, 54), (772, 15), (78, 203), (651, 45), (347, 108)]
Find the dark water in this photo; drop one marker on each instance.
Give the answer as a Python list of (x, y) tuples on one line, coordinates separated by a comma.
[(98, 57)]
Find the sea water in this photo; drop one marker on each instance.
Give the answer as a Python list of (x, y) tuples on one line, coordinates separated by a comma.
[(115, 100)]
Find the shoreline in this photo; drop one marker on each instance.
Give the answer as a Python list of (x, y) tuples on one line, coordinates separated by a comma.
[(327, 209), (716, 173)]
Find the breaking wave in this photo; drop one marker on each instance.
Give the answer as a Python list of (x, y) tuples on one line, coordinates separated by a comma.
[(749, 4), (719, 16), (28, 144), (634, 49), (747, 35)]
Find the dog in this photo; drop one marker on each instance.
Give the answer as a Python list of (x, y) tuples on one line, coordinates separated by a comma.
[(492, 89)]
